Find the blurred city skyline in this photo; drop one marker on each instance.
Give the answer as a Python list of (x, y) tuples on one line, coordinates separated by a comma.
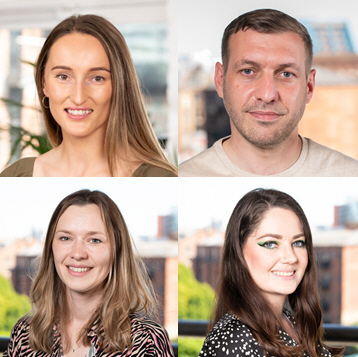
[(204, 201), (215, 15), (27, 204)]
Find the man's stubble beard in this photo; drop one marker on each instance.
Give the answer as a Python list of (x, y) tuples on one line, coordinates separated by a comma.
[(250, 130)]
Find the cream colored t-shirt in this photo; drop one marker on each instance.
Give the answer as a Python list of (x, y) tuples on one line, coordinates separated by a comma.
[(314, 160)]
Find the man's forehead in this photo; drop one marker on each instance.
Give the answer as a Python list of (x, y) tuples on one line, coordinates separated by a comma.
[(244, 44)]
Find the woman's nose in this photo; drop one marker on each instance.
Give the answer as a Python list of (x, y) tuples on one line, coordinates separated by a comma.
[(79, 93), (288, 254), (78, 250)]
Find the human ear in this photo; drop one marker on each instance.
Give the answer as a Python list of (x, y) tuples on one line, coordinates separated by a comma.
[(311, 81), (219, 78)]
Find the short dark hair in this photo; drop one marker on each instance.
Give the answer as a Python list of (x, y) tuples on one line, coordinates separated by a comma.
[(266, 21)]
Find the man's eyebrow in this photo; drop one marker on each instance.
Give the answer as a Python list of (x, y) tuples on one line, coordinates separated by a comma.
[(90, 70), (243, 62), (280, 67), (289, 65)]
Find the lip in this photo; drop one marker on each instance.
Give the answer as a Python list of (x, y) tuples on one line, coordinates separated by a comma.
[(78, 274), (285, 277), (77, 117), (265, 116)]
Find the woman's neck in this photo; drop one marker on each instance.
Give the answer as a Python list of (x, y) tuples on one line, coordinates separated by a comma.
[(80, 157), (82, 306)]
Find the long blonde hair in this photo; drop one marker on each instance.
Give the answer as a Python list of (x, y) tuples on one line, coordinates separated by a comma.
[(127, 290), (129, 130)]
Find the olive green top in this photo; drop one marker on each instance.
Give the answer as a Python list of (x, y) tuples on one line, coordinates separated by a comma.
[(25, 168)]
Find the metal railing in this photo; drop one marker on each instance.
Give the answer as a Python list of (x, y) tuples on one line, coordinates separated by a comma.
[(5, 340), (336, 334)]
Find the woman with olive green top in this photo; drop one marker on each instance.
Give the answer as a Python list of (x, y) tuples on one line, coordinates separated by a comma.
[(92, 106), (25, 168)]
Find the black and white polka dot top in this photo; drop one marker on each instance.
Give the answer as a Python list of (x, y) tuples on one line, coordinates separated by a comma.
[(230, 337)]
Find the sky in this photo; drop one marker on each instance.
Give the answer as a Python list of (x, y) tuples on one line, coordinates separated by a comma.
[(202, 200), (201, 23), (28, 203)]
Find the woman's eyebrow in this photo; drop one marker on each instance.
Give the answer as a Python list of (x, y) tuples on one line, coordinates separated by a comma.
[(278, 236), (272, 235), (90, 70)]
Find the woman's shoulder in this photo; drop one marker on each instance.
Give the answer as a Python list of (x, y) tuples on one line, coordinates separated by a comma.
[(148, 334), (230, 336), (21, 168), (147, 170), (19, 338)]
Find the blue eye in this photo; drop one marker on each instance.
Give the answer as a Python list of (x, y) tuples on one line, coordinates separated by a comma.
[(287, 74), (247, 71), (299, 243), (269, 244)]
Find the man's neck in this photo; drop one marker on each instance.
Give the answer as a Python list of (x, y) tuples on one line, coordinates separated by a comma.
[(258, 161)]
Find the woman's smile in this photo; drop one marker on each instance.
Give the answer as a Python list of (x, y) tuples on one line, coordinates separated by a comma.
[(78, 82), (81, 249), (276, 253)]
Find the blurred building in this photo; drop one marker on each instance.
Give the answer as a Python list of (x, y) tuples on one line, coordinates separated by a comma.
[(168, 225), (336, 254), (346, 215), (329, 119)]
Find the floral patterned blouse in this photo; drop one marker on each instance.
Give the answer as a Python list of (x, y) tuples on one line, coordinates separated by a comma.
[(149, 340)]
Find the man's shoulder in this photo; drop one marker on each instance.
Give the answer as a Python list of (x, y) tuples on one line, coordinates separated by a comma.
[(208, 163), (325, 161)]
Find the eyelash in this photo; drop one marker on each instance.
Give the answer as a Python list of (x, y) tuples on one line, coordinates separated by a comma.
[(251, 71), (98, 240), (266, 244), (64, 239), (63, 77)]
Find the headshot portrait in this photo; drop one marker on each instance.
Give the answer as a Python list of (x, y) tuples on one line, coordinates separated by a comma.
[(266, 77), (272, 265), (98, 286), (93, 106)]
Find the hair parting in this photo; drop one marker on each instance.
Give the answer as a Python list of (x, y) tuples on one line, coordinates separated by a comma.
[(239, 294)]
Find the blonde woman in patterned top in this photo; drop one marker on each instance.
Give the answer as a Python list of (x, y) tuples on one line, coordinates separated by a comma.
[(267, 299), (91, 296)]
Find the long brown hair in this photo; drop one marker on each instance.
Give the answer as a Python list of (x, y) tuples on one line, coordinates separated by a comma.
[(240, 295), (129, 130), (128, 289)]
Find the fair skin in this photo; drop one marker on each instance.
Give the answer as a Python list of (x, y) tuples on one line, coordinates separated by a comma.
[(77, 82), (82, 257), (276, 257), (265, 89)]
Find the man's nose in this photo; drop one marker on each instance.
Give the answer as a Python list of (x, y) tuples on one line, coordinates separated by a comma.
[(266, 89)]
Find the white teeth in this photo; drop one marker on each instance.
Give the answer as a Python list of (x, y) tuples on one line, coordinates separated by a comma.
[(283, 273), (79, 112), (79, 270)]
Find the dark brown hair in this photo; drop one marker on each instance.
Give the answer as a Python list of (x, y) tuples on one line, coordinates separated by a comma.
[(238, 293), (128, 289), (129, 131), (266, 21)]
